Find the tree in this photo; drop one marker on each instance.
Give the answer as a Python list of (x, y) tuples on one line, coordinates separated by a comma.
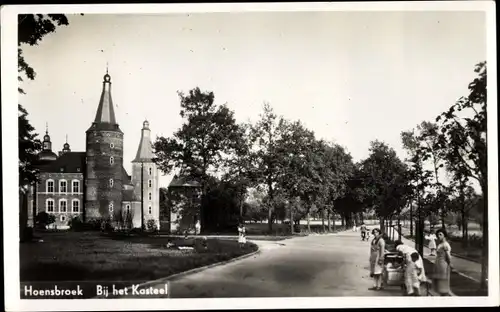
[(420, 179), (299, 157), (463, 137), (387, 180), (29, 147), (31, 29), (264, 136), (200, 147)]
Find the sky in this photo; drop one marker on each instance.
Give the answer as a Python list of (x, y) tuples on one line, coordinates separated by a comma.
[(351, 77)]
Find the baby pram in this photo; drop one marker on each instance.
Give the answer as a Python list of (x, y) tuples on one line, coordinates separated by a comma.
[(393, 272)]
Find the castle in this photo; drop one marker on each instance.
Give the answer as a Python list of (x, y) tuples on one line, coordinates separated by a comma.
[(94, 185)]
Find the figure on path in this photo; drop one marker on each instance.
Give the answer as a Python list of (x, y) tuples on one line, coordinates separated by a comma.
[(414, 273), (432, 242), (364, 232), (442, 265), (377, 250), (241, 235)]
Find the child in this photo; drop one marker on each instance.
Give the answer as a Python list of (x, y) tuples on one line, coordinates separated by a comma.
[(241, 235), (416, 275), (432, 242)]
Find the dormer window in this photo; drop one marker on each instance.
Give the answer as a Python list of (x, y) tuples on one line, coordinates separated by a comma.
[(111, 160), (111, 182), (111, 145)]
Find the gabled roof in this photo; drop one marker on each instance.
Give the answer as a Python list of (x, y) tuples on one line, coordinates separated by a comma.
[(128, 195), (126, 179), (73, 162)]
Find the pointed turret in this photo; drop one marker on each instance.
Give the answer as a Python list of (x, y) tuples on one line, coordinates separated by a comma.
[(145, 150), (46, 154), (66, 147), (105, 116)]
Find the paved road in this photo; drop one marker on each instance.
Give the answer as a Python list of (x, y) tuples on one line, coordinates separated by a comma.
[(322, 265)]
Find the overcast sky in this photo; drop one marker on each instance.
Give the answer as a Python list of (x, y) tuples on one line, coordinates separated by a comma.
[(352, 77)]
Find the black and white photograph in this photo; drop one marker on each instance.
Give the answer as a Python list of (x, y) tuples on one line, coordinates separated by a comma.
[(279, 155)]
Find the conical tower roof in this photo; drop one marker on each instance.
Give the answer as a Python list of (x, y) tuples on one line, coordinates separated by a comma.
[(105, 116), (145, 150)]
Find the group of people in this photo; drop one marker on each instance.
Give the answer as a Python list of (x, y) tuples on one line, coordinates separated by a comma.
[(414, 271)]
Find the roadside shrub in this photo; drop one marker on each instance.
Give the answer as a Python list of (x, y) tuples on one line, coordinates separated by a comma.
[(151, 226), (43, 219)]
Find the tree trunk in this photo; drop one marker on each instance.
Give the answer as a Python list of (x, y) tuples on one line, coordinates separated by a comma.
[(271, 206), (342, 217), (308, 215), (291, 219), (411, 219), (382, 224), (399, 228), (329, 215), (484, 261), (323, 220)]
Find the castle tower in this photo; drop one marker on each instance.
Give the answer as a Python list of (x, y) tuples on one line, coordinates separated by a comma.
[(104, 160), (148, 180)]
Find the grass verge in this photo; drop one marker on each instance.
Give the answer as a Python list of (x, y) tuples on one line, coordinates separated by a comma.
[(90, 256), (460, 286)]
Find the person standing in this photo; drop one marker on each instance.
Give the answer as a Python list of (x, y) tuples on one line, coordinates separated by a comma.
[(432, 242), (241, 235), (442, 265), (364, 231), (377, 250)]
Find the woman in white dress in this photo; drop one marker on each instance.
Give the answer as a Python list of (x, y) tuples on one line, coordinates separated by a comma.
[(241, 235), (432, 242)]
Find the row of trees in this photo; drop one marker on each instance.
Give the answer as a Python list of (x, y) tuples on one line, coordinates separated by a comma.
[(447, 157), (300, 175)]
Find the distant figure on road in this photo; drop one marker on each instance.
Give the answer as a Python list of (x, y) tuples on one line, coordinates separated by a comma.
[(442, 265), (241, 234), (414, 272), (432, 242), (377, 250), (197, 227), (364, 232)]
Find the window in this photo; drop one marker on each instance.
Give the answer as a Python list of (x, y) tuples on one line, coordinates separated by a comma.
[(50, 186), (111, 182), (49, 205), (150, 196), (111, 207), (150, 183), (75, 205), (150, 170), (150, 210), (63, 186), (111, 145), (76, 186), (63, 205), (63, 218), (111, 160), (127, 208)]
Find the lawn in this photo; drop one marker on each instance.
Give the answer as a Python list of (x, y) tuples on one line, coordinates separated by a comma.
[(90, 256)]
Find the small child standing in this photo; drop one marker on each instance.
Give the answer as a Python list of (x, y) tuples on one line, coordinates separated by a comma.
[(416, 275), (241, 235)]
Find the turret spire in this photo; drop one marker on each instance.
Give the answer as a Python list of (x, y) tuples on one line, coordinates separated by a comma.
[(145, 150), (105, 111)]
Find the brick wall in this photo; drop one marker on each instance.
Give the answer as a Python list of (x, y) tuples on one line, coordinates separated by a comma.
[(101, 146)]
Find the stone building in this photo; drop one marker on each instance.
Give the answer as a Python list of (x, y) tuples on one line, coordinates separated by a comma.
[(94, 185)]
